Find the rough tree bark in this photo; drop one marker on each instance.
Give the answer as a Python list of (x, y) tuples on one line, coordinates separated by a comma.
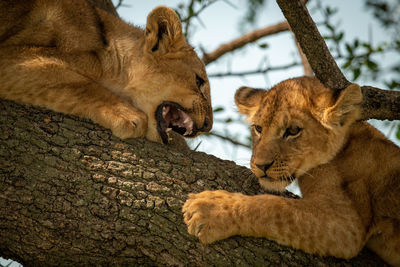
[(377, 104), (72, 194)]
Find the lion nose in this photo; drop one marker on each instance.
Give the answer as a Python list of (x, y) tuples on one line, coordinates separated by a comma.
[(264, 167), (206, 125)]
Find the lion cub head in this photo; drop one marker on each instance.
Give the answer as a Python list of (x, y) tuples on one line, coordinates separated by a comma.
[(296, 126), (171, 83)]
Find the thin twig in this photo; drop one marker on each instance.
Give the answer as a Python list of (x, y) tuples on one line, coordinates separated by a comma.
[(119, 4), (195, 15), (243, 40), (253, 72), (187, 20), (226, 138)]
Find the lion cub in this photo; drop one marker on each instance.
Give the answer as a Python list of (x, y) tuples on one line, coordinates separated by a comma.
[(348, 172), (71, 57)]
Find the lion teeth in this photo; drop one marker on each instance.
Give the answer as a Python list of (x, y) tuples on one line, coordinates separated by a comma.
[(168, 130)]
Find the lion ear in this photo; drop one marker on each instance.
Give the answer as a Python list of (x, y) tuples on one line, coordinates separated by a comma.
[(247, 100), (346, 108), (163, 31)]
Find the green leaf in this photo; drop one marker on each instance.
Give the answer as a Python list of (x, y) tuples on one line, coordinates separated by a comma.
[(263, 46), (228, 120), (398, 132), (339, 36), (349, 49), (367, 45), (328, 10), (347, 64), (330, 27), (372, 65), (191, 12), (218, 109), (356, 73)]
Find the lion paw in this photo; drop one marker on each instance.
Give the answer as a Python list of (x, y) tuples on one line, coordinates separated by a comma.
[(125, 121), (210, 215)]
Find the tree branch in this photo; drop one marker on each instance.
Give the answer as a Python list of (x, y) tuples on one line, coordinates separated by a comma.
[(226, 138), (378, 104), (106, 5), (72, 194), (252, 72), (312, 44), (243, 40)]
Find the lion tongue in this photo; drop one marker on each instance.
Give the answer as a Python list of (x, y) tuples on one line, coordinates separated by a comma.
[(184, 121), (176, 118)]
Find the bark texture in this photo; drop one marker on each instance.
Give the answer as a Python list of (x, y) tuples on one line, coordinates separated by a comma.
[(72, 194), (377, 104)]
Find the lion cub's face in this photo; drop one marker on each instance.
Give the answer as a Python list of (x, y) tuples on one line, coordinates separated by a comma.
[(171, 83), (296, 126)]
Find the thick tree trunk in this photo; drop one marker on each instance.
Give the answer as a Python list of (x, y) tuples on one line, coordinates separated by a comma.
[(72, 194)]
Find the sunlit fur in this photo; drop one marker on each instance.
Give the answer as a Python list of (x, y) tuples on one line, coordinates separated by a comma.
[(302, 103), (348, 172), (73, 58)]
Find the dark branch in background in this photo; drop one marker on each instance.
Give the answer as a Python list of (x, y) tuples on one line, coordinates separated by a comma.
[(186, 21), (106, 5), (243, 40), (253, 72), (378, 104), (226, 138), (119, 4), (194, 14)]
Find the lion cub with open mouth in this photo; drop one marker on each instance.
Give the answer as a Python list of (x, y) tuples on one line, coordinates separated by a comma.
[(71, 57), (348, 172)]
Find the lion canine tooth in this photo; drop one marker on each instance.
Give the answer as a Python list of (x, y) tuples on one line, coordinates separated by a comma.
[(188, 132), (168, 130)]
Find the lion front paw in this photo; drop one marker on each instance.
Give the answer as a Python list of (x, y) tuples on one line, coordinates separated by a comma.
[(124, 120), (210, 215)]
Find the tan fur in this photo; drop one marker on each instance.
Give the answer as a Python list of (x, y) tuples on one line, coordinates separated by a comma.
[(71, 57), (348, 172)]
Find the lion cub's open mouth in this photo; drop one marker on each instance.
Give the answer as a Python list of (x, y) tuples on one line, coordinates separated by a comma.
[(171, 116)]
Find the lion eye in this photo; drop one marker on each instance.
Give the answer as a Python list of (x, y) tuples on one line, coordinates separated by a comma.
[(199, 81), (292, 131), (257, 128)]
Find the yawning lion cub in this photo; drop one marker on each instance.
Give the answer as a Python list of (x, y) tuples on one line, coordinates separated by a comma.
[(74, 58), (348, 172)]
